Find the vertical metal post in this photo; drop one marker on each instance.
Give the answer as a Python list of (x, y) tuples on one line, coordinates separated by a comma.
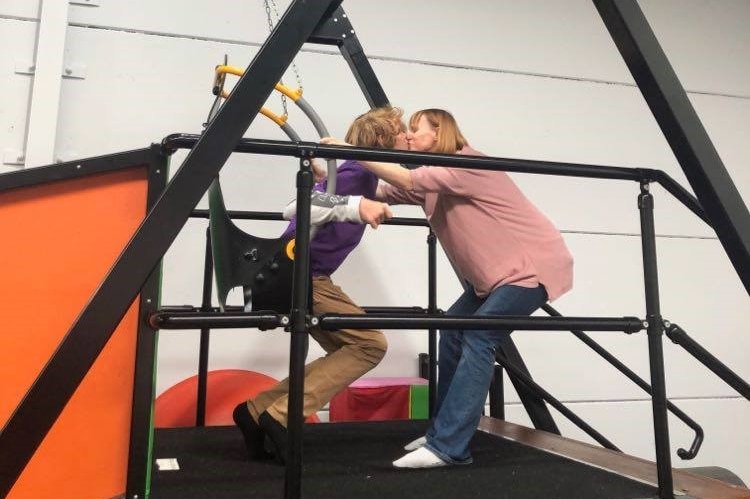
[(208, 271), (497, 394), (140, 449), (298, 342), (432, 309), (655, 331)]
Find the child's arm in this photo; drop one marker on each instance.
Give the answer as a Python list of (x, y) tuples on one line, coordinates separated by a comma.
[(326, 208)]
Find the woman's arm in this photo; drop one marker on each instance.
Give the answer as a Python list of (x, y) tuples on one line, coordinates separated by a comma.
[(392, 173), (394, 195)]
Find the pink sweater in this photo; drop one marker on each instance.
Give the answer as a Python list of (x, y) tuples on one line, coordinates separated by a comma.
[(491, 232)]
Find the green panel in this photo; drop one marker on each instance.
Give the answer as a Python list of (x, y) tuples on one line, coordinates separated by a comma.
[(418, 399)]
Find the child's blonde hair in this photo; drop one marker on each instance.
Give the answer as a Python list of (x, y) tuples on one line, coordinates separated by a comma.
[(376, 128)]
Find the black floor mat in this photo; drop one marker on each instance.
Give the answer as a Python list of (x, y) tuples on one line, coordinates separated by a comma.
[(353, 461)]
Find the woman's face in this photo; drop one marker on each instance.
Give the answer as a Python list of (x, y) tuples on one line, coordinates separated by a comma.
[(423, 136)]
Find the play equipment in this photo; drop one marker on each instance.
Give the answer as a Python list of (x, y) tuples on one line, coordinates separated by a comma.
[(176, 406), (39, 407), (381, 399)]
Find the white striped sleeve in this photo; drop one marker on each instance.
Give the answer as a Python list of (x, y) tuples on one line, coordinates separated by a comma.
[(326, 208)]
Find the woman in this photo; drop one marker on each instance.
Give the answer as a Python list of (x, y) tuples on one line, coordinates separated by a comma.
[(512, 257)]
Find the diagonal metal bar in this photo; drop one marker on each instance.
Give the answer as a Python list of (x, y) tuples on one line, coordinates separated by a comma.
[(682, 128), (532, 401), (28, 425), (537, 390), (337, 30)]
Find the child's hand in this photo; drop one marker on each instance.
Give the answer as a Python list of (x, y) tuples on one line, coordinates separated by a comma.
[(374, 212), (320, 172)]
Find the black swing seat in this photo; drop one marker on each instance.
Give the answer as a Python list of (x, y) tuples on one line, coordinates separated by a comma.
[(263, 267)]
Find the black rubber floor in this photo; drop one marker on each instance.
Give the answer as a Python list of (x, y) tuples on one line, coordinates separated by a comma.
[(353, 461)]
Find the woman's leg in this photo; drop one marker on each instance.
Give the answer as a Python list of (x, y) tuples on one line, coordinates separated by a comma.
[(449, 346), (449, 352), (456, 423)]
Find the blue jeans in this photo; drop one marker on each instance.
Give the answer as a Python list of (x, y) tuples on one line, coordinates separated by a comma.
[(466, 362)]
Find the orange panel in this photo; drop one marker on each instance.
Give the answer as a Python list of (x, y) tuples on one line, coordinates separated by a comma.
[(60, 239)]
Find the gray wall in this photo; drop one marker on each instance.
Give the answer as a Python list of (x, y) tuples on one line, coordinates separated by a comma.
[(539, 79)]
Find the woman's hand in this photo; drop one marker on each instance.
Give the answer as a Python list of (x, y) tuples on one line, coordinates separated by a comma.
[(333, 141)]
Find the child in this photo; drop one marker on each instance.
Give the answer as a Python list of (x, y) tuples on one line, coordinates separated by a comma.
[(350, 353)]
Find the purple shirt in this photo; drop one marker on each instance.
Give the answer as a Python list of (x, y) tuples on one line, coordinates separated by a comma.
[(335, 240)]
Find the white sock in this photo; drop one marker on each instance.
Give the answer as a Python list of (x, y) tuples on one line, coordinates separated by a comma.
[(416, 444), (420, 458)]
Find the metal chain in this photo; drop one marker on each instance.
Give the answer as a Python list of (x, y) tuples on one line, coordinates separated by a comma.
[(270, 29), (294, 65)]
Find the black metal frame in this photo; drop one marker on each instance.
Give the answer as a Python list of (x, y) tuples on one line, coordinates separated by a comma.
[(179, 317), (55, 385), (681, 338), (386, 320), (602, 352), (311, 21), (431, 333), (205, 334), (655, 330), (682, 128), (148, 157), (533, 397), (144, 386), (337, 30)]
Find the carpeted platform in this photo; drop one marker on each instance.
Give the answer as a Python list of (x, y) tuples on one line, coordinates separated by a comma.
[(353, 460)]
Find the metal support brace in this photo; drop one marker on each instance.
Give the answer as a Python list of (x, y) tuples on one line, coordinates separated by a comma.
[(432, 333), (682, 128), (655, 331), (299, 329)]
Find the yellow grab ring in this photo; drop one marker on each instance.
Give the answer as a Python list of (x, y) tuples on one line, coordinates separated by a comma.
[(290, 249)]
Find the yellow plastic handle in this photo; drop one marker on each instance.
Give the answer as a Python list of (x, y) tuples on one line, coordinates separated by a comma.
[(292, 94), (279, 120)]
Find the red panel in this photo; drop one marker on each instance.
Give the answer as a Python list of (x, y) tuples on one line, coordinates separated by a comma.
[(371, 404)]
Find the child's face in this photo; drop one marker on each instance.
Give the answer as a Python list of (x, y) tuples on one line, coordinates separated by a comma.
[(401, 142)]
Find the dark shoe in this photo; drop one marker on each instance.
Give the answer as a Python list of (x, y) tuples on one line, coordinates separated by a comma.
[(252, 433), (276, 434)]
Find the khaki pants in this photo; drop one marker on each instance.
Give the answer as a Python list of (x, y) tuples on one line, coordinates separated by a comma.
[(350, 353)]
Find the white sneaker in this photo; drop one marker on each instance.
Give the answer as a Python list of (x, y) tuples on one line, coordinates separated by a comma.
[(416, 444), (420, 458)]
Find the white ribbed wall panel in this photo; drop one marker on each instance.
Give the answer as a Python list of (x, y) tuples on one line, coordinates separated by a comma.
[(17, 37), (21, 9)]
